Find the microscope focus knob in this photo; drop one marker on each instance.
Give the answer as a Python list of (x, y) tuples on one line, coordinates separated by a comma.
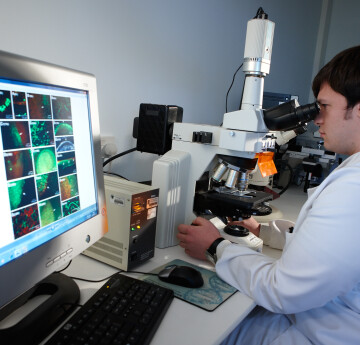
[(236, 230)]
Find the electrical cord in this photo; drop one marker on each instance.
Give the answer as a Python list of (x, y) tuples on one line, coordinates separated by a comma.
[(261, 14), (63, 269), (95, 281), (118, 155), (115, 174), (289, 180), (107, 278), (232, 83)]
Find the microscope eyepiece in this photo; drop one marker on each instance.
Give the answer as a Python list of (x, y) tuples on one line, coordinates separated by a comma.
[(288, 116)]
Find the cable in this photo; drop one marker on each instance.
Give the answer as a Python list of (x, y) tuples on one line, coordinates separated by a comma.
[(147, 273), (242, 93), (118, 155), (63, 269), (227, 94), (95, 281), (261, 14), (115, 174), (107, 278), (289, 181)]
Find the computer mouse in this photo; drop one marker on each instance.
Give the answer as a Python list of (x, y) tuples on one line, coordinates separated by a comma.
[(181, 275)]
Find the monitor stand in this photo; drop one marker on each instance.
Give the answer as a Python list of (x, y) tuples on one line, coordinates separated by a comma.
[(63, 297)]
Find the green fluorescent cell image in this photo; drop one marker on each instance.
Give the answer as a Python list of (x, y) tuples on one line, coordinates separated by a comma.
[(25, 220), (41, 133), (39, 106), (18, 164), (71, 206), (50, 211), (61, 107), (19, 102), (15, 134), (47, 185), (21, 193), (68, 187), (63, 128), (66, 163), (45, 160), (5, 105)]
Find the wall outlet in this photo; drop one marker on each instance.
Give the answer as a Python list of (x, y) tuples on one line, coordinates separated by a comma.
[(108, 146)]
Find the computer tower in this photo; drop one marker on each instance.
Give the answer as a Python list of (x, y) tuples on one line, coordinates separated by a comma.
[(132, 214)]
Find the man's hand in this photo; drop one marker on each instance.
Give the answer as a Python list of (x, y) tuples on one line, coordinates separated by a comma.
[(198, 237), (250, 223)]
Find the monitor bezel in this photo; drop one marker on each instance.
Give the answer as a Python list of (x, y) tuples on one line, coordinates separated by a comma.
[(24, 272)]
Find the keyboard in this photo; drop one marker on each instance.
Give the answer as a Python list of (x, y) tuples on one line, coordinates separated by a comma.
[(123, 311)]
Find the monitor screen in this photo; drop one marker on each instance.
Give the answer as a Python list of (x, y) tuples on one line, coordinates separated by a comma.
[(52, 205)]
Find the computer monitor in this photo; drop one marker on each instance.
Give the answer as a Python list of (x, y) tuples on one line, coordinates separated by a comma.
[(52, 191)]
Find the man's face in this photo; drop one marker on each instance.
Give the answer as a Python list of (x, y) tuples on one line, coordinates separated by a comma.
[(338, 125)]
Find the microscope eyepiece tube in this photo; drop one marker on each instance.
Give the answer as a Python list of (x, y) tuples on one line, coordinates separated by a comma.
[(288, 115), (232, 179)]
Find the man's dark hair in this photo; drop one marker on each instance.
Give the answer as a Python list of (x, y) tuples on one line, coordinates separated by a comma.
[(342, 73)]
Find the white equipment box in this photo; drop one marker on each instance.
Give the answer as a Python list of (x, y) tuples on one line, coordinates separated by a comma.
[(132, 213)]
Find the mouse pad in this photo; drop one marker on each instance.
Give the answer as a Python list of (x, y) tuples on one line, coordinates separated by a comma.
[(212, 294)]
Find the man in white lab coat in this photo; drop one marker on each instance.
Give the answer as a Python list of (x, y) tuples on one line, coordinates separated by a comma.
[(311, 295)]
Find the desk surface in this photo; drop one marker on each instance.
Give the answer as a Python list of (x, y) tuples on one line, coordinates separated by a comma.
[(183, 323)]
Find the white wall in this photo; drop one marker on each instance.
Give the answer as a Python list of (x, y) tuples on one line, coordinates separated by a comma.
[(344, 28), (339, 30), (161, 51)]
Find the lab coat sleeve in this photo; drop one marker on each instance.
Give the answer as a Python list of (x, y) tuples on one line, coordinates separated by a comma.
[(320, 263)]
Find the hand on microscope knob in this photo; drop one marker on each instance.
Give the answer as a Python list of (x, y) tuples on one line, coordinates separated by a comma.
[(197, 237), (250, 223)]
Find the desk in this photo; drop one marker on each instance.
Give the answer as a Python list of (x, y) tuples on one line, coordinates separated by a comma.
[(183, 322)]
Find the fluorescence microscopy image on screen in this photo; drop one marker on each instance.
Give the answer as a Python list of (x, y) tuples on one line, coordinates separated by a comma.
[(21, 193), (68, 187), (39, 106), (47, 185), (50, 211), (70, 206), (45, 160), (19, 103), (25, 220), (15, 134), (5, 105), (66, 163), (63, 128), (64, 144), (18, 164), (61, 107), (42, 133)]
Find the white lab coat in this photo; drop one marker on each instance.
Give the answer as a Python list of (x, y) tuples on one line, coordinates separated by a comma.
[(316, 282)]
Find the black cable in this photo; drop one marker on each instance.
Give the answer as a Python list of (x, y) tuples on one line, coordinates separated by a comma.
[(289, 181), (261, 14), (95, 281), (147, 273), (227, 94), (107, 278), (63, 269), (242, 93), (118, 155), (115, 174)]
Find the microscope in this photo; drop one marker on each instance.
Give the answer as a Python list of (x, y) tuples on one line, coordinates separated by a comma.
[(206, 171)]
